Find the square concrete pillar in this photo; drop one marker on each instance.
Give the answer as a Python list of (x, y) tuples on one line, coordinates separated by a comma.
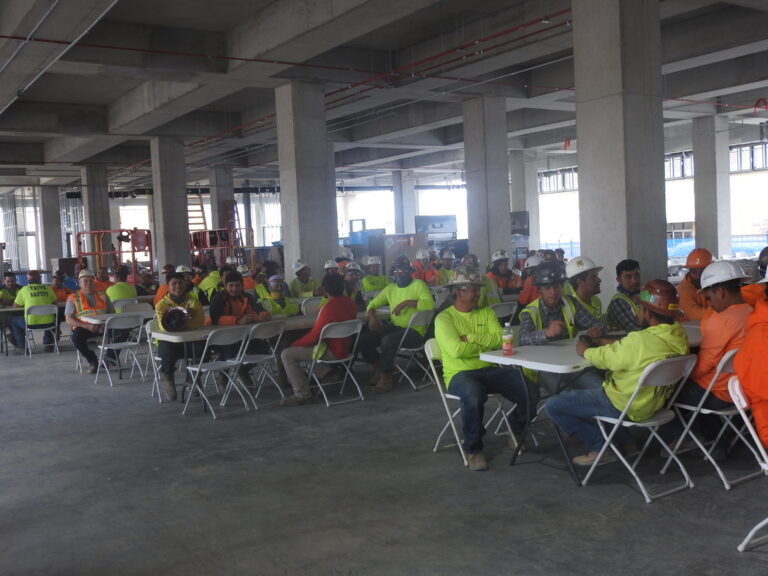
[(404, 193), (170, 233), (222, 189), (95, 195), (617, 62), (487, 175), (712, 184), (307, 186), (524, 191), (50, 219)]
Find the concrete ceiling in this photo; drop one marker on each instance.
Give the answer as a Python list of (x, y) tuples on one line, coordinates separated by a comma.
[(91, 81)]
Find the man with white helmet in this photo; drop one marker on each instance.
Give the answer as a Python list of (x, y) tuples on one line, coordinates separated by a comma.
[(446, 272), (500, 274), (625, 304), (331, 267), (722, 330), (423, 269), (583, 274), (304, 285), (186, 273), (374, 280), (529, 292), (353, 288)]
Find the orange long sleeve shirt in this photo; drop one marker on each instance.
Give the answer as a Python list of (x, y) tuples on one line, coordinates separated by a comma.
[(693, 305), (751, 293), (751, 369)]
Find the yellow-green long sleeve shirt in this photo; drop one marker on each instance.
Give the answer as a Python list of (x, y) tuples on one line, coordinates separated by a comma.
[(483, 332), (392, 296), (626, 359)]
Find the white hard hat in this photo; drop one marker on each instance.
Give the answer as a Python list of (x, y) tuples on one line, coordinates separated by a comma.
[(580, 264), (331, 264), (421, 253), (721, 271), (448, 255), (181, 269), (243, 269), (299, 265), (353, 266), (532, 261), (371, 260), (231, 260), (499, 255), (346, 252)]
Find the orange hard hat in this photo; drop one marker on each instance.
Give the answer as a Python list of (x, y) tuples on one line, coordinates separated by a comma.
[(698, 258), (661, 297)]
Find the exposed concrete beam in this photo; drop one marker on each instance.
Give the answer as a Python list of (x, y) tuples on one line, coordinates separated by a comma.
[(54, 119), (21, 153), (76, 149)]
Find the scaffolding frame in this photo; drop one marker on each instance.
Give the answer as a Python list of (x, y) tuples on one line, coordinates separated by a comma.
[(102, 243)]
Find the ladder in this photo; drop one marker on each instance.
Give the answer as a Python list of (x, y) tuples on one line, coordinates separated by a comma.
[(196, 213)]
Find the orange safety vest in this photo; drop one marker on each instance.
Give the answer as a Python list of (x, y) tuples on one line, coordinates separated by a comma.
[(82, 308)]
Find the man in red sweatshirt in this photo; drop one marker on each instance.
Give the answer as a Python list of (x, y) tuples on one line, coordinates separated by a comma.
[(339, 308)]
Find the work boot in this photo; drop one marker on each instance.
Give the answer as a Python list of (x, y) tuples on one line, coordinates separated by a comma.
[(169, 387), (384, 383), (296, 400), (589, 459), (244, 376), (93, 368), (376, 376), (477, 462)]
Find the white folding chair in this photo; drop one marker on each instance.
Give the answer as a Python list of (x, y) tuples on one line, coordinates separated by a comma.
[(504, 309), (420, 319), (311, 306), (153, 358), (229, 336), (131, 323), (120, 304), (40, 310), (440, 294), (688, 414), (742, 404), (662, 373), (271, 334), (136, 308), (348, 329), (432, 351)]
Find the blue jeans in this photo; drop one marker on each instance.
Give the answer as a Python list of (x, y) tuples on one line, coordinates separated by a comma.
[(388, 339), (574, 412), (706, 425), (582, 380), (473, 387), (19, 330)]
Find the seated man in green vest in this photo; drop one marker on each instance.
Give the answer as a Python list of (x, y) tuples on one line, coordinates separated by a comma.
[(86, 302), (625, 304), (33, 294), (304, 285), (121, 290), (9, 290), (554, 317), (278, 304), (583, 274), (374, 280)]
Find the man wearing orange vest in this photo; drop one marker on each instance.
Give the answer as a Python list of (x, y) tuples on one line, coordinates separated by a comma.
[(693, 304), (423, 269), (87, 302), (754, 292)]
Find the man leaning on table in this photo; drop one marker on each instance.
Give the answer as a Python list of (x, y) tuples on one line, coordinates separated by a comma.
[(463, 331), (624, 361), (178, 296), (86, 302)]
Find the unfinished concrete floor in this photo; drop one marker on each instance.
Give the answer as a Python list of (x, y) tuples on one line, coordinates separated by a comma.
[(107, 481)]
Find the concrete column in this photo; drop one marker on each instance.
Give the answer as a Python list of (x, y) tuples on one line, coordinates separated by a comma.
[(222, 189), (307, 197), (95, 194), (50, 220), (406, 204), (170, 226), (617, 64), (712, 184), (487, 167), (524, 191)]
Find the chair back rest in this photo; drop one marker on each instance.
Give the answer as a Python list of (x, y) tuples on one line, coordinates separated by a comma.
[(269, 332), (227, 336), (41, 310), (310, 306), (341, 329), (433, 354), (121, 303), (123, 322), (136, 307), (421, 318), (741, 402), (504, 309), (725, 366), (370, 295), (666, 372)]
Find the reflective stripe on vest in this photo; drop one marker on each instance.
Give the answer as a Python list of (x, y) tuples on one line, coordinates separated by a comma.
[(82, 308), (569, 311)]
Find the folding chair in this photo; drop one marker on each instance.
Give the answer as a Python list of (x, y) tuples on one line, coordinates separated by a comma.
[(662, 373), (220, 337), (271, 334), (440, 294), (742, 404), (504, 309), (136, 308), (348, 329), (432, 351), (40, 310), (153, 358), (131, 323), (311, 306), (422, 318), (120, 304), (725, 366)]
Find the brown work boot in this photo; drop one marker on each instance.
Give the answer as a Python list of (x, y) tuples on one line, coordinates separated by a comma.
[(589, 459), (384, 383), (169, 387), (296, 400), (477, 462)]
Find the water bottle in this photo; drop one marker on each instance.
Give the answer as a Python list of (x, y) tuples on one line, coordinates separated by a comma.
[(506, 340)]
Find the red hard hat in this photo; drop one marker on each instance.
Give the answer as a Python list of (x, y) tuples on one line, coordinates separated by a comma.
[(698, 258), (661, 297)]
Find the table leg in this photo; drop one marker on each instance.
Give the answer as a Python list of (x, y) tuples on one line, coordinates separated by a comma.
[(567, 455)]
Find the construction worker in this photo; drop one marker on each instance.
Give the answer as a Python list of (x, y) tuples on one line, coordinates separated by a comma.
[(692, 303), (353, 286), (61, 291), (625, 304), (146, 285), (722, 330), (9, 290), (529, 292), (345, 256), (583, 274), (555, 317), (121, 290), (754, 292), (211, 284), (423, 269), (624, 361), (186, 273), (304, 285), (278, 304), (463, 331), (489, 293), (447, 272), (331, 267), (750, 363), (102, 279), (405, 296), (374, 280), (87, 302), (33, 294), (505, 279)]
